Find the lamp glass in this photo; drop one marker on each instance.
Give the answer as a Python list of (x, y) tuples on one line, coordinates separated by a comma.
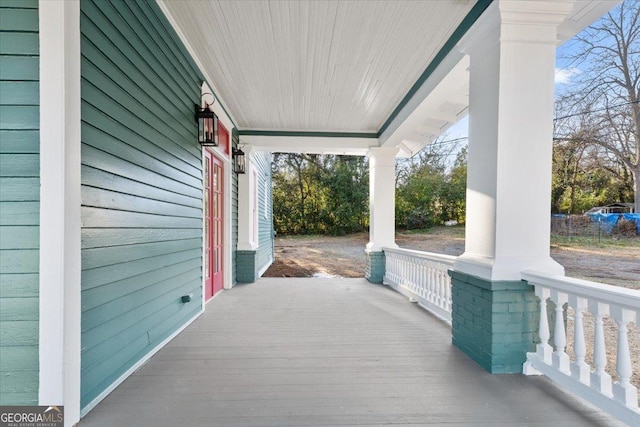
[(207, 126), (238, 161)]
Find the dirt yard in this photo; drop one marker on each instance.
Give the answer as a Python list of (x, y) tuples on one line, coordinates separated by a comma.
[(322, 256)]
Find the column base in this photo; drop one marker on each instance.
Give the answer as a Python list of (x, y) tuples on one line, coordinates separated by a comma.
[(374, 266), (503, 268), (246, 266), (493, 322)]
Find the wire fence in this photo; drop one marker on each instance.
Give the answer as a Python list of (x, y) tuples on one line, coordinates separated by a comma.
[(597, 227)]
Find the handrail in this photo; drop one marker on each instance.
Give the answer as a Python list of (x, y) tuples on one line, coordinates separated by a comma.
[(422, 277), (618, 398)]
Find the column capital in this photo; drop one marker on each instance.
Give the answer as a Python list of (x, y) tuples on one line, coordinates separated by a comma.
[(514, 21), (383, 155)]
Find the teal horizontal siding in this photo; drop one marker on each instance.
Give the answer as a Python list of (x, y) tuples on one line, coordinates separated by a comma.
[(264, 254), (104, 237), (19, 165), (19, 202), (23, 213), (107, 292), (141, 187), (19, 141), (234, 213), (17, 43), (19, 117), (19, 92), (21, 285), (20, 68), (122, 167)]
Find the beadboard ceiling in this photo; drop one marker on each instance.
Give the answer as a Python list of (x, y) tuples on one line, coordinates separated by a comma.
[(365, 68), (332, 66)]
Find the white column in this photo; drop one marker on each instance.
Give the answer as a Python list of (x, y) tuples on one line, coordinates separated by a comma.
[(60, 221), (382, 195), (512, 59), (246, 205)]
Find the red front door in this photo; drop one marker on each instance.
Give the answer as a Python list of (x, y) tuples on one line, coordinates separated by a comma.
[(213, 224)]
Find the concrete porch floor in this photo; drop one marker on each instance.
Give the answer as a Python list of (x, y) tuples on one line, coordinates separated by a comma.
[(326, 352)]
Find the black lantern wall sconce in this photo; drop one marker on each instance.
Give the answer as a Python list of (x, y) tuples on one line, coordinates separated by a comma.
[(238, 161), (207, 125)]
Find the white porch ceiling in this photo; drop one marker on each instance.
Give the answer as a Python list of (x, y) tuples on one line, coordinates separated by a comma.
[(330, 66), (361, 71)]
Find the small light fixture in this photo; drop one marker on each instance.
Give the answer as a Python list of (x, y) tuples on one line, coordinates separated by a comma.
[(238, 161), (207, 126)]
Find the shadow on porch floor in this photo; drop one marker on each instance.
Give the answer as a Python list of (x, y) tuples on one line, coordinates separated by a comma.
[(326, 352)]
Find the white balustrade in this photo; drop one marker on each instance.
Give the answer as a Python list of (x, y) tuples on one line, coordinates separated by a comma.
[(421, 276), (620, 399)]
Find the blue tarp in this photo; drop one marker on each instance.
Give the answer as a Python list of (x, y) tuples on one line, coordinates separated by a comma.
[(609, 221), (634, 217)]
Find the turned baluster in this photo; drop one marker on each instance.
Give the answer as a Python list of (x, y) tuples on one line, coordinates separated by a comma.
[(560, 357), (580, 370), (447, 285), (623, 390), (600, 379), (432, 285), (543, 348)]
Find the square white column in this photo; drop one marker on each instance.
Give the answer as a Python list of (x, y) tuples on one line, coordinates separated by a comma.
[(512, 64), (382, 195)]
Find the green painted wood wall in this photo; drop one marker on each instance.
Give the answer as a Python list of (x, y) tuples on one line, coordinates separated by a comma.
[(19, 201), (141, 187), (264, 254), (235, 140)]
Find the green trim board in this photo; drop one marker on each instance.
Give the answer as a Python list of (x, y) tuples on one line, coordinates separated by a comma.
[(246, 271), (375, 266), (141, 188), (235, 141), (312, 134), (19, 202)]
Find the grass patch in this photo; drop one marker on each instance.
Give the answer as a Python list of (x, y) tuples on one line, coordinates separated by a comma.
[(456, 231), (591, 242)]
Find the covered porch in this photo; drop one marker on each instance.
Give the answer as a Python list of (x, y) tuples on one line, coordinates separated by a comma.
[(327, 352)]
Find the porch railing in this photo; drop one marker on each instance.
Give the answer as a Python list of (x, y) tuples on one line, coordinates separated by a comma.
[(592, 302), (422, 277)]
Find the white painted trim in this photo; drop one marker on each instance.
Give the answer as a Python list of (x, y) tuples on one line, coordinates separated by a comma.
[(246, 221), (136, 366), (226, 159), (311, 144), (265, 267), (60, 200)]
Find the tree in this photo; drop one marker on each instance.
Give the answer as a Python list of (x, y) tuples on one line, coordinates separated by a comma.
[(429, 188), (602, 109), (320, 194)]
